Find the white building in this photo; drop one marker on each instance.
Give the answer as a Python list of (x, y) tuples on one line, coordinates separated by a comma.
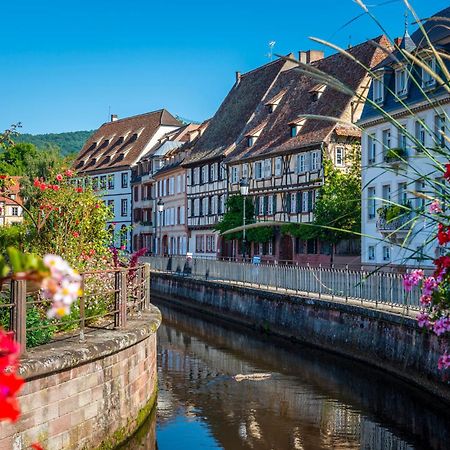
[(109, 156), (395, 166)]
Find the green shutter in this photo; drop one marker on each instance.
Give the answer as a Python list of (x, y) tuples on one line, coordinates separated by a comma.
[(288, 203), (299, 202), (274, 199), (266, 204), (310, 200)]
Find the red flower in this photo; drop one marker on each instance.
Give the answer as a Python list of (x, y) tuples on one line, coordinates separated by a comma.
[(442, 263), (69, 173), (76, 234), (42, 186), (36, 446), (10, 384), (9, 351), (55, 187), (36, 182), (59, 177), (447, 172), (79, 189), (443, 234), (97, 206)]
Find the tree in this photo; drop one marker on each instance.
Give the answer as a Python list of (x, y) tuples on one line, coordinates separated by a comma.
[(337, 211), (13, 159), (234, 216)]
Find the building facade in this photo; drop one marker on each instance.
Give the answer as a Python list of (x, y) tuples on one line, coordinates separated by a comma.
[(399, 161), (108, 157), (11, 209)]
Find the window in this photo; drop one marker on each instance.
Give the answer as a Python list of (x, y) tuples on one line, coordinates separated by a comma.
[(439, 130), (213, 172), (244, 170), (261, 205), (278, 166), (371, 149), (315, 161), (171, 185), (124, 180), (293, 203), (294, 130), (267, 168), (296, 127), (401, 137), (371, 203), (210, 243), (196, 175), (419, 134), (402, 194), (386, 192), (401, 81), (371, 253), (258, 170), (182, 214), (199, 243), (95, 183), (205, 208), (301, 163), (386, 253), (136, 193), (178, 184), (234, 174), (386, 140), (378, 89), (251, 140), (111, 179), (124, 207), (111, 205), (204, 174), (270, 206), (14, 211), (339, 156), (305, 201), (270, 247), (427, 79)]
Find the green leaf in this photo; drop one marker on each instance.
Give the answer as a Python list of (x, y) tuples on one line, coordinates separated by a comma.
[(15, 258)]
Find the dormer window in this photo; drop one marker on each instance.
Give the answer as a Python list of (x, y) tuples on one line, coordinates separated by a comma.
[(296, 126), (274, 101), (271, 107), (317, 91), (401, 81), (251, 140), (427, 79), (378, 89)]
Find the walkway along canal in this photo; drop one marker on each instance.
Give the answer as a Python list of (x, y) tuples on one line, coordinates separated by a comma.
[(313, 399)]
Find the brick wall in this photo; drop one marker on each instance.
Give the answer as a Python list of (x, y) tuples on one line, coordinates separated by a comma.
[(96, 401)]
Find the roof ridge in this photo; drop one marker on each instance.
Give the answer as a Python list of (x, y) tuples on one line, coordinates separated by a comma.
[(264, 65), (135, 116)]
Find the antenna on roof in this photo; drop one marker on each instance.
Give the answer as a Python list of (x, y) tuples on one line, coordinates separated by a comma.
[(349, 41), (271, 46)]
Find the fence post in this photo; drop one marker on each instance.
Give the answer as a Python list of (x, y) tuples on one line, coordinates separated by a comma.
[(320, 280), (347, 282), (18, 299), (147, 285), (123, 299), (82, 310), (117, 292)]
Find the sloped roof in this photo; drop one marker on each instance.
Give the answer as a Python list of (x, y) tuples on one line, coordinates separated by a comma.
[(298, 100), (121, 142), (227, 125)]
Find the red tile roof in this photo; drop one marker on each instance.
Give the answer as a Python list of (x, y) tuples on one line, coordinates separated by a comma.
[(121, 143)]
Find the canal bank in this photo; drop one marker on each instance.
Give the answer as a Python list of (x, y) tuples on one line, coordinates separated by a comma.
[(382, 339)]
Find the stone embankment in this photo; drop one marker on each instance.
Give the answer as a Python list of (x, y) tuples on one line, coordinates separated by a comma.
[(381, 338), (87, 395)]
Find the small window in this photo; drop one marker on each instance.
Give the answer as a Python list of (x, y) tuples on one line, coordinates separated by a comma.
[(386, 253), (401, 137), (439, 130), (124, 180), (111, 182), (278, 166), (234, 174), (401, 82), (301, 163), (378, 90), (419, 134), (111, 205), (258, 170), (371, 203), (371, 149), (14, 211), (103, 182), (124, 207), (251, 141), (371, 253), (427, 79), (315, 161), (386, 192), (339, 156), (95, 183)]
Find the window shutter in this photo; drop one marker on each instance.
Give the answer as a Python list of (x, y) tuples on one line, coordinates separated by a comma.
[(288, 203), (256, 206), (274, 199), (299, 201), (266, 204), (310, 200)]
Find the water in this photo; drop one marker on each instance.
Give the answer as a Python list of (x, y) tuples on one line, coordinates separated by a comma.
[(313, 400)]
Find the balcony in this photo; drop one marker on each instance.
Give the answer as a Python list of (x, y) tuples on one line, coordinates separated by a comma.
[(394, 222), (396, 156)]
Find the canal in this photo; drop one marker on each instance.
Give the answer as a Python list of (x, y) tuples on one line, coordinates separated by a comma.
[(312, 400)]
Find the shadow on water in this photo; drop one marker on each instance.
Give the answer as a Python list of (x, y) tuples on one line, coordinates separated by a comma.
[(313, 400)]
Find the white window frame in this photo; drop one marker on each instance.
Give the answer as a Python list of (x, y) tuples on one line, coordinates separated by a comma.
[(315, 161), (371, 203), (267, 168), (278, 166), (245, 170), (371, 253), (234, 174), (258, 169), (386, 253), (401, 81), (371, 148), (301, 163), (339, 156), (378, 89), (429, 81)]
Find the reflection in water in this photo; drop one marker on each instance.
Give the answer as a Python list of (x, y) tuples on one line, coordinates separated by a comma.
[(314, 400)]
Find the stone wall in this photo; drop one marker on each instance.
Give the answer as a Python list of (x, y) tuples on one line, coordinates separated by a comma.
[(380, 338), (87, 395)]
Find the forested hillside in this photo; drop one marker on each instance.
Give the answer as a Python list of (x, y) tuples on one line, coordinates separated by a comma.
[(68, 142)]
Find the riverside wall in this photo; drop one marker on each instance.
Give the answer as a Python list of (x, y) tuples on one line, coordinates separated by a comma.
[(87, 395), (380, 338)]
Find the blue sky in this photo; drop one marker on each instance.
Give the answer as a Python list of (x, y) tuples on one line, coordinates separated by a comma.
[(65, 63)]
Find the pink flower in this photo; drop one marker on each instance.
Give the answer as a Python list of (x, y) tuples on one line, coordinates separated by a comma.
[(425, 300), (75, 234), (441, 326), (55, 187), (423, 320), (435, 207), (59, 177), (444, 361), (69, 173), (429, 285), (412, 279), (36, 182), (97, 206), (122, 247)]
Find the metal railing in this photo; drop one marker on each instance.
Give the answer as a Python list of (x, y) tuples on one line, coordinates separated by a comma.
[(109, 299), (379, 289)]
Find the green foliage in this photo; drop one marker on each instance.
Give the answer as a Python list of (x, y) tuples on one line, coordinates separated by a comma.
[(393, 212), (14, 158), (337, 212), (12, 236), (233, 218), (37, 318), (395, 154), (68, 143)]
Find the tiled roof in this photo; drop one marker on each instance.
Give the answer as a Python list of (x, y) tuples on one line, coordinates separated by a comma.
[(227, 126), (298, 100), (14, 189), (120, 143)]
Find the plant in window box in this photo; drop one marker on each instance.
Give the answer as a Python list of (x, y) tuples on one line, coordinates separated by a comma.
[(394, 155)]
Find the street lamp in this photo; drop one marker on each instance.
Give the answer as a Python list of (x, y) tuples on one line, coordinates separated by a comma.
[(243, 185), (160, 206)]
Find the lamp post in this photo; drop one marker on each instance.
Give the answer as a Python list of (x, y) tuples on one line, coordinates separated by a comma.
[(160, 206), (243, 185)]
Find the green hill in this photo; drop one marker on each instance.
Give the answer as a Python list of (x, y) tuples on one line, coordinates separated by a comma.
[(69, 142)]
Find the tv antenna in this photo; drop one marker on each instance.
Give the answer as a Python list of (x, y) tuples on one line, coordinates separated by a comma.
[(271, 46)]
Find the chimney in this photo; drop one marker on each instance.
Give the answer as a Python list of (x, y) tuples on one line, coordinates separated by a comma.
[(238, 77), (309, 56), (114, 117)]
